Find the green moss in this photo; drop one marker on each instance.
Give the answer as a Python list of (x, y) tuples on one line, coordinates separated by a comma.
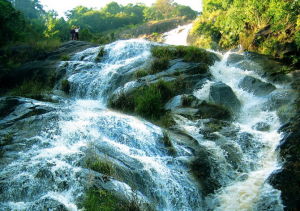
[(65, 86), (97, 199), (187, 53), (103, 166)]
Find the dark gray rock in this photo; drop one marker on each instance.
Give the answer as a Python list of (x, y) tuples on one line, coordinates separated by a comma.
[(256, 86), (222, 94), (261, 126)]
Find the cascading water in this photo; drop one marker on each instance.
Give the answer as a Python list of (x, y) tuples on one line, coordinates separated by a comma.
[(177, 36), (245, 194), (50, 173)]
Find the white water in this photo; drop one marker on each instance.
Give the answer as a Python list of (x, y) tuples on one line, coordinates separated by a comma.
[(87, 126), (177, 36), (242, 195)]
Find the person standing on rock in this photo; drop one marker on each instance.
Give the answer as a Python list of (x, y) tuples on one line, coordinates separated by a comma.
[(72, 33), (77, 33)]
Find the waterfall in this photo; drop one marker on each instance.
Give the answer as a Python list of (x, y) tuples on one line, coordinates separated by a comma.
[(50, 171), (237, 194), (178, 36), (53, 172)]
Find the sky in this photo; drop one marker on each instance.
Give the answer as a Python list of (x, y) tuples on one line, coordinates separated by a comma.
[(61, 6)]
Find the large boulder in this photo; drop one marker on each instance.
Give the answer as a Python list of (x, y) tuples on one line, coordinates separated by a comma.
[(256, 86), (222, 94)]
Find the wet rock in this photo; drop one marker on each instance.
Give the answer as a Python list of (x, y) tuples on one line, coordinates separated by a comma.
[(202, 167), (287, 179), (208, 110), (261, 126), (189, 113), (256, 86), (221, 94), (264, 65), (48, 204), (280, 98)]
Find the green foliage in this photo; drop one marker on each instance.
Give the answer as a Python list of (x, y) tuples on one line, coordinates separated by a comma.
[(100, 165), (188, 53), (11, 23), (158, 65), (268, 27), (141, 73), (65, 57), (149, 101), (32, 89)]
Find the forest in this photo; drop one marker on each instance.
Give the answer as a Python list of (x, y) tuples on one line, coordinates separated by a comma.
[(270, 27), (27, 21)]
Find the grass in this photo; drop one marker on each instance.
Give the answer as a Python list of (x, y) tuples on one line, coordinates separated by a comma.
[(158, 65), (187, 53), (103, 200), (149, 101), (141, 73), (31, 89), (103, 166), (45, 45)]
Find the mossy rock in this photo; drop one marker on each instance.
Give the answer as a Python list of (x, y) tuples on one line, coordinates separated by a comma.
[(209, 110)]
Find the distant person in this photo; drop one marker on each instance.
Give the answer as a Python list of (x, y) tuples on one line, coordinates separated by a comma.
[(77, 33), (72, 33)]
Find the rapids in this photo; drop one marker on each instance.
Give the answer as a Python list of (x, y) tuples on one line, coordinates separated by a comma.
[(84, 125)]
